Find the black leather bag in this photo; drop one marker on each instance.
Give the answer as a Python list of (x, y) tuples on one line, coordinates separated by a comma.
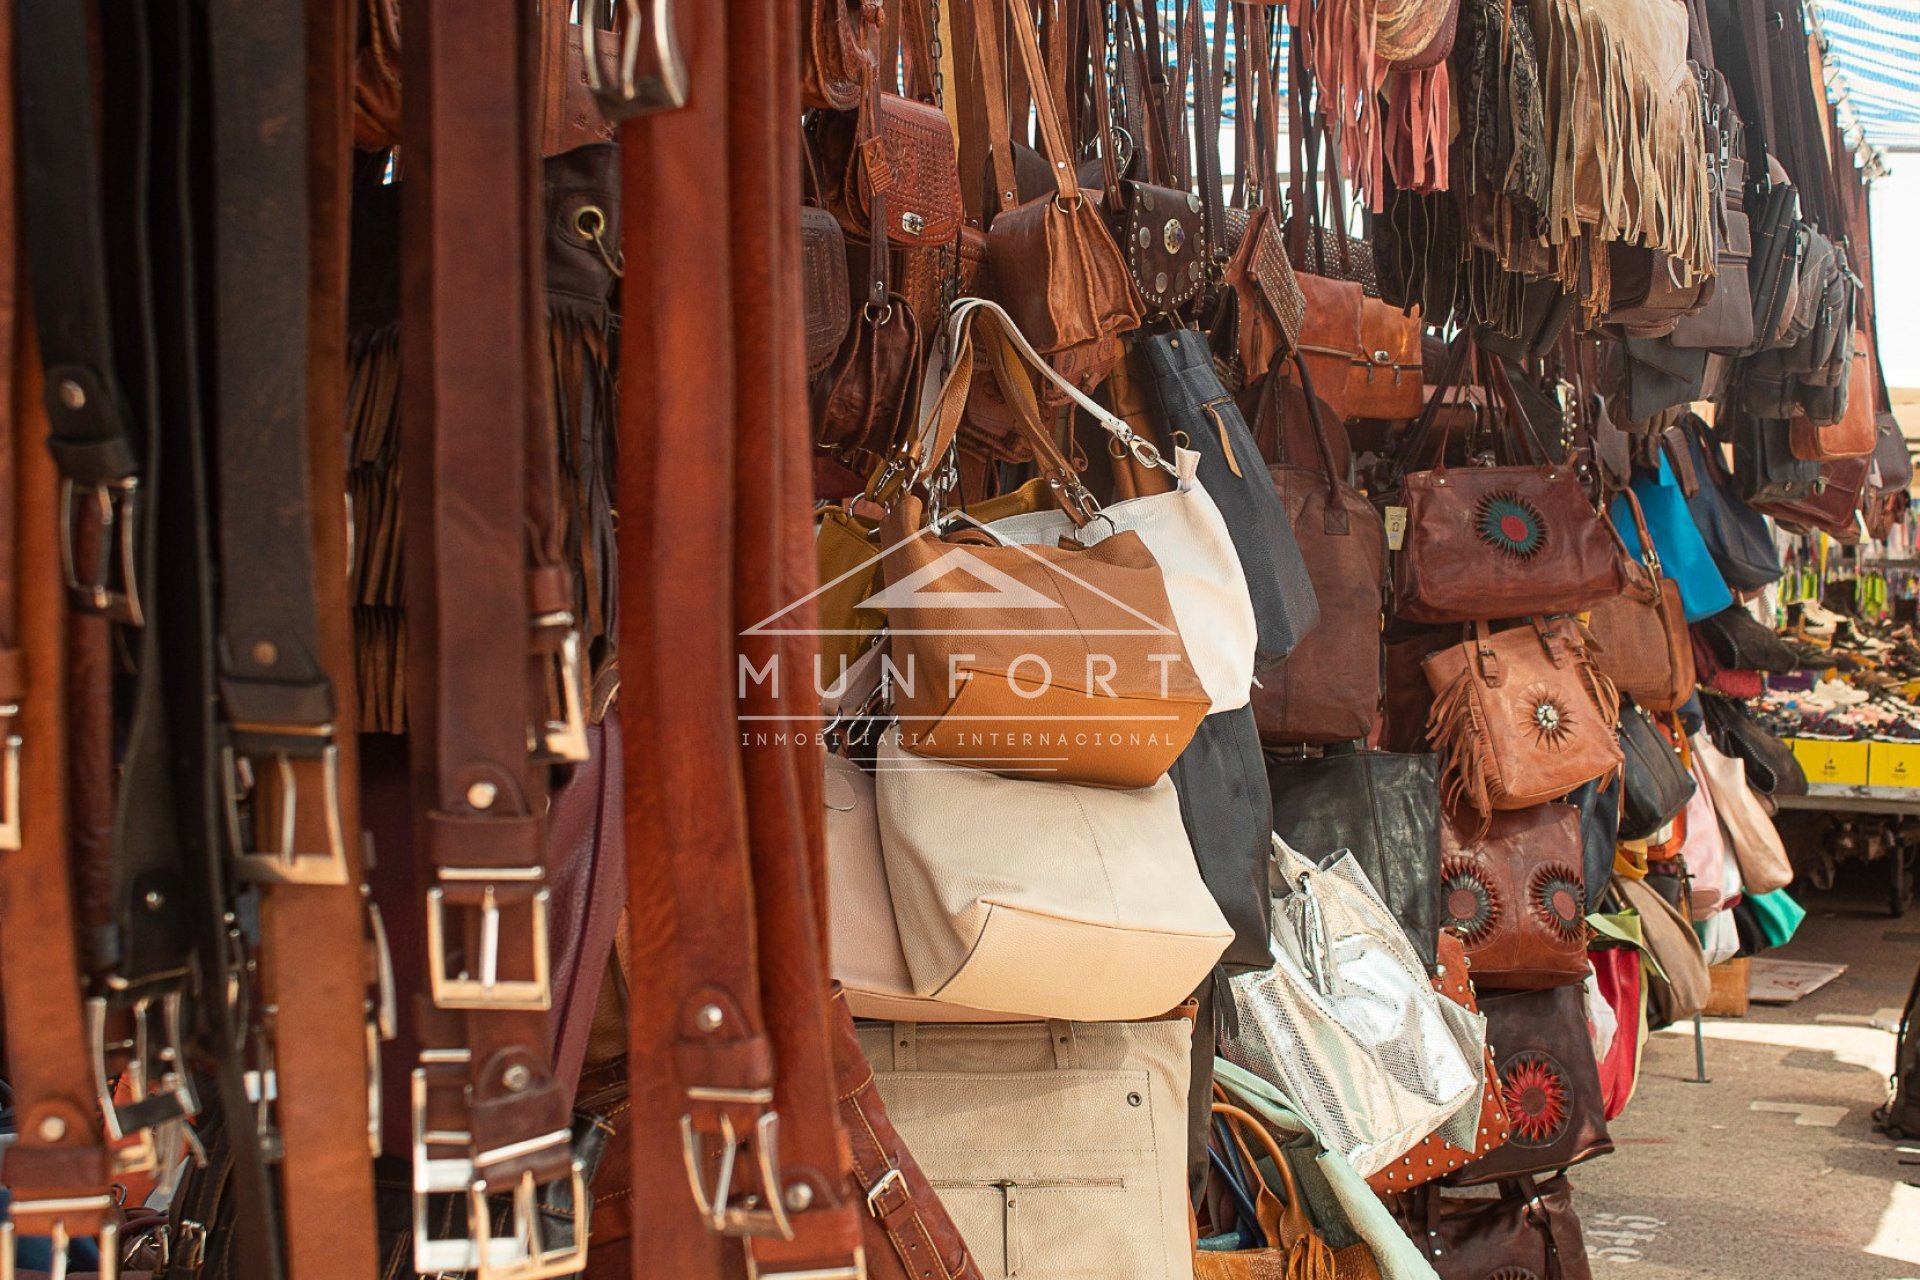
[(1661, 376), (1599, 805), (1764, 468), (1742, 643), (1222, 781), (1772, 768), (1658, 783), (1383, 806), (1178, 379), (1736, 535), (1549, 1081)]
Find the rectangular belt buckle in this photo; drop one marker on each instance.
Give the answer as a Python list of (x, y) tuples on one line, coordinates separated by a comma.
[(763, 1215), (156, 1121), (565, 739), (652, 76), (113, 588), (286, 864), (488, 990), (109, 1236), (536, 1261), (858, 1271)]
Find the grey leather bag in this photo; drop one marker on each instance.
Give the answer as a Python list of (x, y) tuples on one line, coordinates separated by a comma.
[(1222, 782)]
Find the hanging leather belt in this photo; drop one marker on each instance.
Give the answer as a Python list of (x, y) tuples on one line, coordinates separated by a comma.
[(489, 1117)]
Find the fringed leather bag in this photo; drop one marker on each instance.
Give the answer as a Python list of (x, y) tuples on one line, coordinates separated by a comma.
[(1520, 717)]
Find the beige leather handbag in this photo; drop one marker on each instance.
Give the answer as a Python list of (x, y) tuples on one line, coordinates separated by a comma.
[(1751, 835), (1059, 1149), (1043, 898)]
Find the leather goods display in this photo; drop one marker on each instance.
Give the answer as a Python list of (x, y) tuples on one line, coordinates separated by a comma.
[(1550, 1082), (1678, 984), (1227, 810), (1177, 375), (1736, 536), (1520, 716), (1330, 689), (1435, 1157), (1751, 836), (1664, 524), (1498, 542), (1514, 896), (1530, 1230), (1640, 638), (1599, 805), (1384, 808), (1059, 1149), (1741, 642), (1104, 916), (1372, 1085), (1658, 778), (1280, 1220)]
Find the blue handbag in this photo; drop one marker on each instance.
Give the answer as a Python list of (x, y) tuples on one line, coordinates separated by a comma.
[(1736, 535), (1683, 553)]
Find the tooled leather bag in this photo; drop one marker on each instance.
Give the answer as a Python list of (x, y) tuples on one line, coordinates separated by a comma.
[(1550, 1082), (1640, 636), (1499, 542), (1329, 691), (833, 57), (1515, 896), (1520, 716), (899, 147), (823, 275)]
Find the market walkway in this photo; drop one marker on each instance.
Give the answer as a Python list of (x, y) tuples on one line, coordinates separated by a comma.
[(1773, 1171)]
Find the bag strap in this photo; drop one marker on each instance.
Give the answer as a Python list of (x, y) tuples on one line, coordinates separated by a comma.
[(1646, 538), (489, 1116), (1294, 1224)]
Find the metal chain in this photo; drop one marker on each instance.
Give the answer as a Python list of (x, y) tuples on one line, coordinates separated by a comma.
[(939, 54)]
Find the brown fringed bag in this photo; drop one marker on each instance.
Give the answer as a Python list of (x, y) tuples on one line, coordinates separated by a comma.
[(1520, 717)]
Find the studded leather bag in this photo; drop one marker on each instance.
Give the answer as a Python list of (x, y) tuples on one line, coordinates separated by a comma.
[(1515, 896)]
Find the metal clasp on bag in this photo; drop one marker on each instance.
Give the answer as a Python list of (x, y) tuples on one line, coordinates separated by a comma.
[(751, 1215), (109, 1236), (519, 1256), (241, 784), (157, 1117), (647, 28), (113, 589), (564, 739), (488, 990)]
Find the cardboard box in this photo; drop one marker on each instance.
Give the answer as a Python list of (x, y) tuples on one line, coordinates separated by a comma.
[(1894, 764), (1729, 998), (1832, 763)]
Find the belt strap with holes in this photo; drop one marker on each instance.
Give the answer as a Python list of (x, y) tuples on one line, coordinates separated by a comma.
[(489, 1118)]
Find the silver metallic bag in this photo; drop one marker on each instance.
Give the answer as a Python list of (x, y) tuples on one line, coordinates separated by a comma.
[(1346, 1024)]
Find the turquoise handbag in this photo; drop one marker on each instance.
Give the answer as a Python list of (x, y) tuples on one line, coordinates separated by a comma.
[(1777, 915), (1683, 552)]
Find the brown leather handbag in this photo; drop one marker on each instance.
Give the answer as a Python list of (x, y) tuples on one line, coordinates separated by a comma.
[(1329, 688), (1550, 1081), (1520, 716), (1857, 432), (907, 1231), (1640, 637), (1364, 353), (1502, 541), (899, 147), (1530, 1231), (823, 275), (1435, 1157), (833, 55), (1294, 1246), (1516, 895)]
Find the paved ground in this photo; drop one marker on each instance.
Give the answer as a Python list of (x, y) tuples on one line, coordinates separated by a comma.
[(1704, 1185)]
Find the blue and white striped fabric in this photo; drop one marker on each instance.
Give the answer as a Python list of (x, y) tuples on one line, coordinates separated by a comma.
[(1874, 46)]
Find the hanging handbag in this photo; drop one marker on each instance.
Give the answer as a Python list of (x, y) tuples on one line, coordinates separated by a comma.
[(1764, 468), (1330, 689), (1348, 1027), (1736, 536), (1289, 1242), (1683, 553), (1640, 638), (1101, 914), (1703, 854), (1550, 1081), (1520, 716), (1619, 984), (1514, 895), (1659, 783), (1833, 505), (1599, 805), (1059, 1149), (1529, 1233), (823, 276), (1383, 807), (1751, 834), (1678, 983), (1177, 375), (1228, 814), (1776, 916), (1271, 307), (1852, 433), (907, 1231), (1435, 1157), (1498, 542), (1741, 642)]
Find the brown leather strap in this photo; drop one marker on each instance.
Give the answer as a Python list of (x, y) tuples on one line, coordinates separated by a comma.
[(322, 1045), (488, 1112)]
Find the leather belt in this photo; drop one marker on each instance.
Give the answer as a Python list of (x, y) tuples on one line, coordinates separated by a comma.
[(489, 1116)]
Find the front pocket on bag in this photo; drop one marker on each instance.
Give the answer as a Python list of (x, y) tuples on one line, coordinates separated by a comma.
[(1008, 1210)]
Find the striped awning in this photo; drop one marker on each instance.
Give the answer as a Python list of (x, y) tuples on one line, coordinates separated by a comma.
[(1873, 69)]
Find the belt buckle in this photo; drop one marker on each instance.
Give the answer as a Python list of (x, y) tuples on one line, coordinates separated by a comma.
[(156, 1120), (114, 594), (858, 1271), (565, 739), (109, 1236), (537, 1262), (286, 864), (764, 1215), (488, 991), (647, 31)]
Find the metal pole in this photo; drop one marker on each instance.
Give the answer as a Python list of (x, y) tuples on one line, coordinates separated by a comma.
[(1699, 1053)]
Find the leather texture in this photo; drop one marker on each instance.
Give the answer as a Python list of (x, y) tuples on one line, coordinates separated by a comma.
[(1365, 354), (823, 274), (1530, 1231), (1227, 810), (1114, 921), (1681, 985), (1751, 835), (1659, 781), (1385, 808), (1640, 638), (903, 149), (1736, 536), (1515, 896), (1550, 1081), (1005, 1119), (1520, 716)]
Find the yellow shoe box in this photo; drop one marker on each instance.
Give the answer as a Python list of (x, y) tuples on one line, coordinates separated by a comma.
[(1832, 763), (1894, 764)]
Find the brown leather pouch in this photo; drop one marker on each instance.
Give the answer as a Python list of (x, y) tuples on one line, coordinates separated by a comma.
[(1640, 637), (902, 149), (864, 400), (1516, 895), (1856, 433), (1163, 234), (833, 56), (823, 276), (1271, 306)]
